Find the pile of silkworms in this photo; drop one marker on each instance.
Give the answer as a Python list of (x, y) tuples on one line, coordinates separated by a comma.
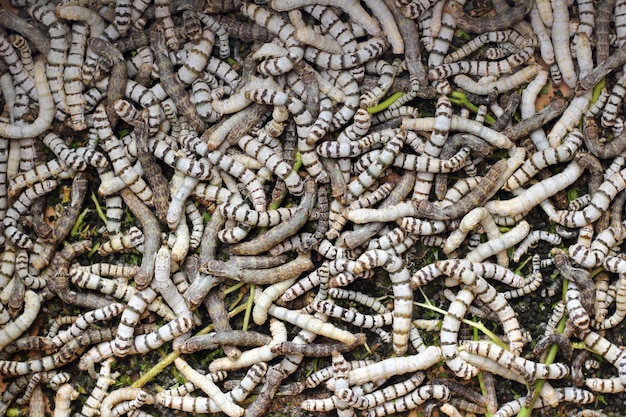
[(362, 208)]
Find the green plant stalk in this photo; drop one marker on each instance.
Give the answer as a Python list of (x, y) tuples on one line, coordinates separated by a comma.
[(597, 90), (526, 412), (101, 214), (94, 249), (246, 316), (523, 264), (298, 163), (79, 221), (233, 288), (460, 99), (473, 324), (236, 302), (385, 104), (169, 359)]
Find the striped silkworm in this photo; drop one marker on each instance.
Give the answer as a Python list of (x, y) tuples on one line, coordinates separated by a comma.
[(282, 231), (544, 158), (399, 276), (20, 207), (488, 186)]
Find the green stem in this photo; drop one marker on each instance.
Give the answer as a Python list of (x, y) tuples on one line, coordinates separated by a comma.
[(79, 222), (460, 99), (169, 359), (233, 288), (473, 324), (385, 104), (101, 214), (298, 163), (597, 90), (246, 316)]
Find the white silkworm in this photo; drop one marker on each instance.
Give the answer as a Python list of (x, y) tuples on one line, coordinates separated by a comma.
[(479, 215), (62, 400), (99, 391), (205, 384), (543, 35), (502, 85), (387, 368), (250, 357), (285, 31), (271, 160), (123, 394), (507, 240), (263, 300), (542, 159), (361, 320), (165, 286), (599, 203), (506, 359), (412, 400), (532, 239), (457, 123), (575, 309), (13, 329), (130, 317), (21, 77), (533, 196), (482, 68), (46, 110), (84, 320), (560, 40)]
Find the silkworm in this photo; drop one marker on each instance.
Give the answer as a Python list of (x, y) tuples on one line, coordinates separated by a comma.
[(19, 208), (261, 276), (83, 321), (603, 15), (495, 68), (399, 276), (13, 329), (123, 394), (282, 231), (487, 188), (560, 40), (136, 305), (62, 401), (480, 25), (142, 343), (252, 356), (153, 173), (599, 203), (479, 215), (21, 77), (46, 110), (572, 394), (494, 352), (527, 199), (172, 84), (346, 315), (57, 55), (544, 158), (268, 158), (532, 239), (233, 337)]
